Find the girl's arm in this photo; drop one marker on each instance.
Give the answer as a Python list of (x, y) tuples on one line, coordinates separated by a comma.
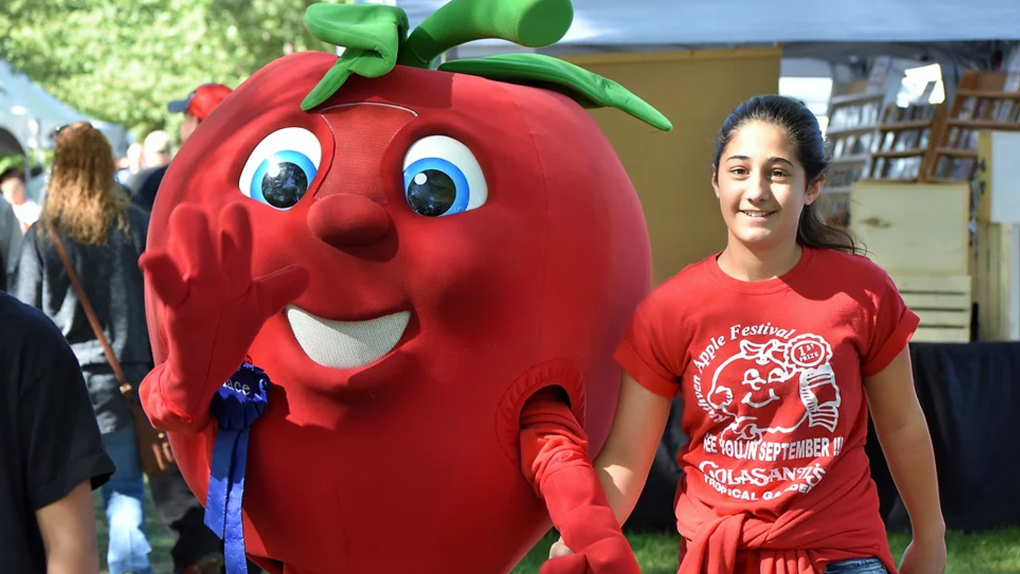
[(903, 434), (627, 456)]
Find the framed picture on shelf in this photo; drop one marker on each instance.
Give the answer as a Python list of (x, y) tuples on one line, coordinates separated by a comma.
[(863, 144), (967, 108), (913, 168), (878, 172), (895, 169), (869, 113), (837, 148), (942, 167), (962, 139), (984, 109), (972, 140), (851, 145), (907, 140), (1003, 110), (954, 133), (962, 168), (853, 116), (888, 141), (923, 141)]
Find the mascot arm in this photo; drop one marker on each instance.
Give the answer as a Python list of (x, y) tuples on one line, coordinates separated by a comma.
[(214, 308), (554, 459)]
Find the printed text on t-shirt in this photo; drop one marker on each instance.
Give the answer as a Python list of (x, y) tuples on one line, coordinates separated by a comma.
[(776, 393)]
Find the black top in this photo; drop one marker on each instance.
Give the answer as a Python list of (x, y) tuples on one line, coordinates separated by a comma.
[(10, 242), (114, 284), (49, 440), (144, 185)]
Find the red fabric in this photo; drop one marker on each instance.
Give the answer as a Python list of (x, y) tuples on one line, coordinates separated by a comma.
[(402, 465), (554, 458), (776, 478)]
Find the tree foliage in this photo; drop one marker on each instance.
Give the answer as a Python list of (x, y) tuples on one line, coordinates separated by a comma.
[(122, 60)]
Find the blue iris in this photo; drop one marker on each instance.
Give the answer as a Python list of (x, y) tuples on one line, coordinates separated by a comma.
[(436, 187), (282, 179)]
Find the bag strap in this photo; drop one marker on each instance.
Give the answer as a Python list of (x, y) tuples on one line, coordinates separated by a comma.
[(125, 387)]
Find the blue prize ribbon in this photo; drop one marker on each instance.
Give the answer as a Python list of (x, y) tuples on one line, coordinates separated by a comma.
[(236, 406)]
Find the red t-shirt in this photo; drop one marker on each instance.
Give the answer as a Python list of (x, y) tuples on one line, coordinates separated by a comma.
[(770, 373)]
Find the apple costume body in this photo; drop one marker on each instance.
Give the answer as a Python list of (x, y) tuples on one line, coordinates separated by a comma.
[(422, 274)]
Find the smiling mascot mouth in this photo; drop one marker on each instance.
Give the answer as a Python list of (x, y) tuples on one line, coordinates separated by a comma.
[(346, 344)]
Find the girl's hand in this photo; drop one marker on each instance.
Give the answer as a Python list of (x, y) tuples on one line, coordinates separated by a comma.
[(559, 548), (925, 556)]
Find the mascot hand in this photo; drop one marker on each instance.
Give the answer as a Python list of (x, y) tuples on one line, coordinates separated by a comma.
[(214, 309), (579, 510)]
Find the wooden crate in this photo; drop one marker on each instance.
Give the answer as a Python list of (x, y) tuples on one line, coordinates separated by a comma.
[(913, 228), (996, 247), (943, 302), (997, 281)]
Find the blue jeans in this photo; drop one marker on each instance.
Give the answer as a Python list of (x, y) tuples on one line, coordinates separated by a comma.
[(856, 566), (124, 500)]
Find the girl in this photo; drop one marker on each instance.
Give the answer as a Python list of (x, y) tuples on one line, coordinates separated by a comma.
[(777, 346), (104, 236)]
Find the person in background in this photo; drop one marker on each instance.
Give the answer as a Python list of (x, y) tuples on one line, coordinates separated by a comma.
[(12, 184), (104, 235), (199, 104), (10, 242), (132, 163), (157, 149), (51, 456), (779, 346)]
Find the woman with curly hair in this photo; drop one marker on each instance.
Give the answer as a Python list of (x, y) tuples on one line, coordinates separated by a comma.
[(104, 235)]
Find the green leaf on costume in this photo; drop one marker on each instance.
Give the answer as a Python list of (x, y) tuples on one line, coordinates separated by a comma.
[(586, 88), (371, 35)]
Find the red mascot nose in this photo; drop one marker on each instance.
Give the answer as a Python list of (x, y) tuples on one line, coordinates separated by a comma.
[(345, 220)]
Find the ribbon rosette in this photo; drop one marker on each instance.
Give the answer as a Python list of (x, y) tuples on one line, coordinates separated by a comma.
[(236, 406)]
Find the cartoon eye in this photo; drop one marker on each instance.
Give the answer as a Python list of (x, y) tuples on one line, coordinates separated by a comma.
[(442, 177), (281, 168)]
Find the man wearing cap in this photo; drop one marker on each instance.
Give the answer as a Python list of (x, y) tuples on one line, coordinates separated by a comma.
[(196, 107)]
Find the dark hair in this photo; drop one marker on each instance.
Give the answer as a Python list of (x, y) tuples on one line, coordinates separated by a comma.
[(802, 127), (12, 173)]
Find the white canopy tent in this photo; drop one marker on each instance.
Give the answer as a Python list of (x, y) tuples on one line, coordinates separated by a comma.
[(819, 39), (616, 23), (29, 115)]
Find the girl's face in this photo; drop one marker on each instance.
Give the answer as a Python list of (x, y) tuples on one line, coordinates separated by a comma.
[(762, 187)]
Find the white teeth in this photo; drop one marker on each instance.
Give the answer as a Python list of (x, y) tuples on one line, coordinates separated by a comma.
[(346, 344)]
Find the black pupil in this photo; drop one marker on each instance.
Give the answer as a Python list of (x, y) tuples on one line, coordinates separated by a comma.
[(286, 187), (431, 192)]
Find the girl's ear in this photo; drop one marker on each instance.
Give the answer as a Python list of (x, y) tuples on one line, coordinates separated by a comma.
[(814, 190)]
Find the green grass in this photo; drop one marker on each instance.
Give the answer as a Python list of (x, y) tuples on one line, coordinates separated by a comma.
[(985, 553)]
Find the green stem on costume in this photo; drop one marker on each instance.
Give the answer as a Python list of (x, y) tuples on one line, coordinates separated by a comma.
[(530, 23)]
